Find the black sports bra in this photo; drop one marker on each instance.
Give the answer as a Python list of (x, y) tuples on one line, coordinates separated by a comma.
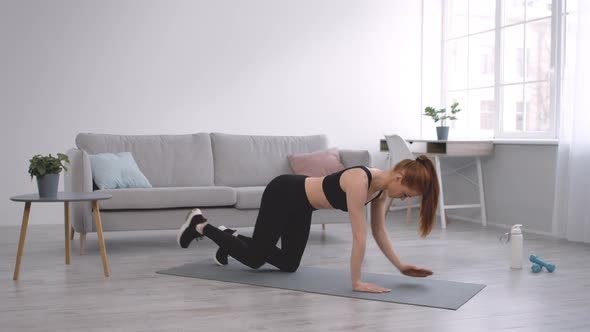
[(334, 193)]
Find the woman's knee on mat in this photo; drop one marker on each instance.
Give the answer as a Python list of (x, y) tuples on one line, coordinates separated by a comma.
[(289, 267), (255, 263)]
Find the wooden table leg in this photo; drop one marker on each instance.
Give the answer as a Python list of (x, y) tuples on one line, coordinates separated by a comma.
[(67, 228), (103, 252), (23, 235)]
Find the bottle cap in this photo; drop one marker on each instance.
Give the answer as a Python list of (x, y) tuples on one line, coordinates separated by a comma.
[(516, 229)]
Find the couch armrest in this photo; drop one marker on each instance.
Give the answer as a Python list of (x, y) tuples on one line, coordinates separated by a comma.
[(78, 178), (355, 158)]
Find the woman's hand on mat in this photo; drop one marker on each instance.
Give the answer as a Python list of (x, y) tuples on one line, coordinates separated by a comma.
[(413, 271), (366, 287)]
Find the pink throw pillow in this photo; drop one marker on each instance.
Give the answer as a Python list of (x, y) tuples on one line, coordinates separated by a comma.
[(318, 163)]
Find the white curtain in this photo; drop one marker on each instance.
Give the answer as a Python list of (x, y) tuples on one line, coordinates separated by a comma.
[(571, 218)]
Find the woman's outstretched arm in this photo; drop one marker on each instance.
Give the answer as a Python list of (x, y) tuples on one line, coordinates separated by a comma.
[(355, 185), (379, 209)]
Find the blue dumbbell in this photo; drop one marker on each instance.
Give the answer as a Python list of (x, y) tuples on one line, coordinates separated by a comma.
[(534, 259), (536, 268)]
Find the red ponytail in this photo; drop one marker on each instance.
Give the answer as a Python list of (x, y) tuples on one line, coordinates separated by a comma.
[(420, 175)]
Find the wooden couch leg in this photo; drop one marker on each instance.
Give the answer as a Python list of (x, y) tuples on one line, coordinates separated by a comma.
[(82, 243), (323, 227)]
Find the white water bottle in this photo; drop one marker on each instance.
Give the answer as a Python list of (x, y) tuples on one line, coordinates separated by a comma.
[(516, 246)]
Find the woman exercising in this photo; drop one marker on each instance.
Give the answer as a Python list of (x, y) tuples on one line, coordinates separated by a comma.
[(289, 200)]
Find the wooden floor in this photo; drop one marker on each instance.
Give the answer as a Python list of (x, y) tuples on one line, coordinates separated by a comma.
[(51, 296)]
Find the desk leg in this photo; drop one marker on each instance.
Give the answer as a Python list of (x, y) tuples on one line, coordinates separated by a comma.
[(21, 242), (409, 211), (441, 203), (103, 252), (482, 200), (67, 228)]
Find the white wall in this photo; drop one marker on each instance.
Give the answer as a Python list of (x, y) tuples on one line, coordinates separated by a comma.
[(519, 183), (431, 63), (346, 68)]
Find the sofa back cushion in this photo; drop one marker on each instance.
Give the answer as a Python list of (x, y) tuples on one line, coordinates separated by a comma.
[(165, 160), (245, 160)]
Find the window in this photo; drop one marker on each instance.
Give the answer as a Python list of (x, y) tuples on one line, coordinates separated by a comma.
[(498, 59)]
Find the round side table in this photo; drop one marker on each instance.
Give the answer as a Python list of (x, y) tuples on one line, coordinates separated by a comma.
[(65, 197)]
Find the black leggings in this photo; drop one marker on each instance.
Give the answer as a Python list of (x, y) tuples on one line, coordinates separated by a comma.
[(285, 213)]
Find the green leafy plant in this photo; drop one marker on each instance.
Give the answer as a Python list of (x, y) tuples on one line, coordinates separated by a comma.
[(442, 114), (41, 165)]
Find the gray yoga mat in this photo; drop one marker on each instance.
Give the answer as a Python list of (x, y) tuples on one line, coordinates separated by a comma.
[(416, 291)]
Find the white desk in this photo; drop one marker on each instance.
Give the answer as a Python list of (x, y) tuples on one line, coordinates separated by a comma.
[(454, 148)]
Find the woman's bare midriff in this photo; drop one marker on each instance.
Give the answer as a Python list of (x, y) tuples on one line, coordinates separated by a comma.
[(317, 197), (315, 193)]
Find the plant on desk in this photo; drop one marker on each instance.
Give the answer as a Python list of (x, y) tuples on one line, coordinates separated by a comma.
[(442, 131), (47, 169)]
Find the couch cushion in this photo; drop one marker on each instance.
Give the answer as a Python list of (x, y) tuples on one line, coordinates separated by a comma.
[(162, 198), (165, 160), (245, 160), (117, 170), (249, 197), (317, 163)]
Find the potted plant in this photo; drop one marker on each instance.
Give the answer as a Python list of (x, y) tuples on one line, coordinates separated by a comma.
[(47, 169), (442, 131)]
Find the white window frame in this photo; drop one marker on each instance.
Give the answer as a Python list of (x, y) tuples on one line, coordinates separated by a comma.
[(554, 73)]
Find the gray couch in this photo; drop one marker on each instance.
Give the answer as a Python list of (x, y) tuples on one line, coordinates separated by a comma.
[(222, 174)]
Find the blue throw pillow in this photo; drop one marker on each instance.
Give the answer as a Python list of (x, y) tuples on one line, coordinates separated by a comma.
[(117, 170)]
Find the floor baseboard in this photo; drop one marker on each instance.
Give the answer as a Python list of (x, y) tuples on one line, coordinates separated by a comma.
[(502, 226)]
